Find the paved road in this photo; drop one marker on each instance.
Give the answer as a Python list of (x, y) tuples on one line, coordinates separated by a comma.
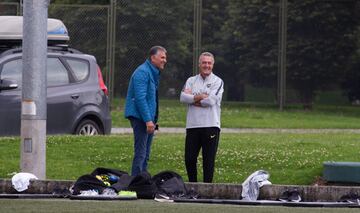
[(245, 130)]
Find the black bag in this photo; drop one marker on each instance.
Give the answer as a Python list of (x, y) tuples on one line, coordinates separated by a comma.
[(91, 182), (123, 183), (106, 171), (143, 185), (170, 183), (88, 182)]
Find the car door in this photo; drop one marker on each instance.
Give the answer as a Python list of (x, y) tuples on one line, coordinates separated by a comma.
[(82, 91), (59, 102), (10, 100), (70, 92)]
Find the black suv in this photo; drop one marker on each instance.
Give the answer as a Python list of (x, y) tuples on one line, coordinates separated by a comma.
[(77, 98)]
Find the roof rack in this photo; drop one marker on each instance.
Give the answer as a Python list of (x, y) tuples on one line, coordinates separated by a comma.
[(64, 48)]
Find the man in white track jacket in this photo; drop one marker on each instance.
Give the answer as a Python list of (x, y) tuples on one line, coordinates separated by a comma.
[(203, 94)]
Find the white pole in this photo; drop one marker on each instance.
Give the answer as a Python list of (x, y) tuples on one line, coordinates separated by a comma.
[(33, 105)]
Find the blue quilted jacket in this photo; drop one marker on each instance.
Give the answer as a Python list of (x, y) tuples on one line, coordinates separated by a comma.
[(141, 95)]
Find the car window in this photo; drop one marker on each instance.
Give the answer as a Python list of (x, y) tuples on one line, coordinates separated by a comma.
[(12, 70), (80, 68), (56, 72)]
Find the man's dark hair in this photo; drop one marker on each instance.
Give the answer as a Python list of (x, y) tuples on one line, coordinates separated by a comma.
[(155, 49)]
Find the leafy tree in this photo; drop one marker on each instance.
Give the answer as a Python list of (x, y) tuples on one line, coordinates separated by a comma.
[(251, 33), (67, 1), (139, 25), (216, 40), (87, 27), (320, 42), (103, 2), (142, 24), (8, 8), (351, 84), (243, 35), (10, 1)]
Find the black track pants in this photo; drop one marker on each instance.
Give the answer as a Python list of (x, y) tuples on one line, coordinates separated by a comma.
[(206, 139)]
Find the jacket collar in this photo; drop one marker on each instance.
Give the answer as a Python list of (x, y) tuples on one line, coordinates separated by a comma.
[(207, 78), (154, 71)]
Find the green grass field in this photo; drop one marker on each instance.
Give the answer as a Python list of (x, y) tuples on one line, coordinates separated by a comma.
[(141, 206), (248, 115), (289, 158)]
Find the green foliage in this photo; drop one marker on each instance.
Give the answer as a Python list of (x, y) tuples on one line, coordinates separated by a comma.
[(320, 42), (10, 1), (87, 27), (351, 84), (80, 1), (289, 158), (142, 24), (251, 52)]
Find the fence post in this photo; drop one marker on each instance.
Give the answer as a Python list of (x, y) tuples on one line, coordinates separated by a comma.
[(197, 34), (282, 54), (20, 8), (110, 52)]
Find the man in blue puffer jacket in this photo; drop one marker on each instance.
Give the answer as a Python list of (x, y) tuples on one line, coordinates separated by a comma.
[(142, 107)]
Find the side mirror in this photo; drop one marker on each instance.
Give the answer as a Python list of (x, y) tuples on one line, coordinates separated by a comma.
[(8, 84)]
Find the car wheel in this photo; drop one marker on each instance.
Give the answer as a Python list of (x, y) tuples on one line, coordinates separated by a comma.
[(88, 127)]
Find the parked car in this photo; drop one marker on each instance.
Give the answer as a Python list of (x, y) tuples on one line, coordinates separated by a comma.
[(77, 98)]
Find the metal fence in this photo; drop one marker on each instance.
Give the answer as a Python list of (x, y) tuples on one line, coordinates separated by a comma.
[(137, 32), (9, 9), (321, 45)]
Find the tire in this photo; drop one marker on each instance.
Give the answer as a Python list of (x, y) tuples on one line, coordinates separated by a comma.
[(88, 127)]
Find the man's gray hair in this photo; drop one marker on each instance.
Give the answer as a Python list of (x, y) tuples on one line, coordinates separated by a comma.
[(207, 54), (153, 50)]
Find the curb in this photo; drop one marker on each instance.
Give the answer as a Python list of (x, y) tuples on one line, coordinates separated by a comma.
[(207, 190), (273, 192)]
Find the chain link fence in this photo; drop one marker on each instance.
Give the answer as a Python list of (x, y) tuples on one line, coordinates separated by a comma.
[(87, 26), (143, 24), (7, 9), (323, 42)]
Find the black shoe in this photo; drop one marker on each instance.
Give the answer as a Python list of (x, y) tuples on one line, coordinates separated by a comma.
[(350, 198), (294, 196), (58, 192), (284, 196), (162, 198), (290, 196), (192, 194)]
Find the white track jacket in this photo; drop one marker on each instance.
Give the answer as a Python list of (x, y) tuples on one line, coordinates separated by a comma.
[(208, 114)]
